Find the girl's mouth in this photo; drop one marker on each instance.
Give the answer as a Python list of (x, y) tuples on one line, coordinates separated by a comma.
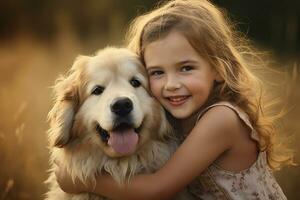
[(177, 100)]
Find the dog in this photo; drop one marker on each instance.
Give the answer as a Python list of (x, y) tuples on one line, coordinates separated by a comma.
[(105, 120)]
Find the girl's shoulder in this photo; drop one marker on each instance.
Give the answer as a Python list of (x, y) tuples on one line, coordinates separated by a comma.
[(225, 104), (227, 117), (218, 123), (234, 125), (229, 111)]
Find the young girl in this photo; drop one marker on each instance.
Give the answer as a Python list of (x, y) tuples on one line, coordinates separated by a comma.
[(197, 71)]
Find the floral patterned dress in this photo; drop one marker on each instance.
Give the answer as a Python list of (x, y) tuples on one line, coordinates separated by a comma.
[(255, 183)]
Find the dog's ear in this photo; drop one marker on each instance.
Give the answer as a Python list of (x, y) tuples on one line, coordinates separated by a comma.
[(66, 104)]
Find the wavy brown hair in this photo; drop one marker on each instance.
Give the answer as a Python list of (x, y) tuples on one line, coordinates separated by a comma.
[(213, 36)]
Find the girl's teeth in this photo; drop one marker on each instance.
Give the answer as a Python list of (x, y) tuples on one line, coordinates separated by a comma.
[(176, 99)]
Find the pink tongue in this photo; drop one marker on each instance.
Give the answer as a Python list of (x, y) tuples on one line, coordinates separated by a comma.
[(123, 142)]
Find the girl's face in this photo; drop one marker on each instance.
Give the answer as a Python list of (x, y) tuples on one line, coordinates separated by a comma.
[(180, 78)]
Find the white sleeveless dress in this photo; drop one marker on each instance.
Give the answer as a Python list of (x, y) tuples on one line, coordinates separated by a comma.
[(255, 183)]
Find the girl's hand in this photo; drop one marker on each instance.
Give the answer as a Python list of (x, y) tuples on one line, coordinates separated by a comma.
[(65, 181)]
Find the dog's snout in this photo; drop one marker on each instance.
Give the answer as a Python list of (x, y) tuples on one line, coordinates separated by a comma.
[(122, 106)]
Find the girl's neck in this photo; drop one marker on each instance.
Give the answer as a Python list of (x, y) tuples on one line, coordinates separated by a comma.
[(186, 125), (183, 127)]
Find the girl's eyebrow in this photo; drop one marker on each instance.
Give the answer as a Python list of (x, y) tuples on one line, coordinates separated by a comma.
[(178, 63), (191, 61), (152, 68)]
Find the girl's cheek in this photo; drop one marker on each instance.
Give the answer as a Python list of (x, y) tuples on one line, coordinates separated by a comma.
[(155, 88)]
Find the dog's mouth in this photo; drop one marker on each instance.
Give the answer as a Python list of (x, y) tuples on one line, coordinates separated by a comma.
[(123, 138)]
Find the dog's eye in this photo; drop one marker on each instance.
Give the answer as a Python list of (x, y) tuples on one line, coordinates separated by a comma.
[(98, 90), (135, 83)]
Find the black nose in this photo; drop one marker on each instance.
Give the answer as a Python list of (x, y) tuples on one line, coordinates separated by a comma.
[(121, 106)]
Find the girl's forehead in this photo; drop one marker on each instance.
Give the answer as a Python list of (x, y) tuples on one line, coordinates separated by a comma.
[(173, 47)]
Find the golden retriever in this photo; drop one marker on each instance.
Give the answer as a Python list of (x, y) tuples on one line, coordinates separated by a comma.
[(104, 119)]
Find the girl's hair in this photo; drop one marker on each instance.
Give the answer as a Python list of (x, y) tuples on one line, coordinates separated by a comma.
[(212, 36)]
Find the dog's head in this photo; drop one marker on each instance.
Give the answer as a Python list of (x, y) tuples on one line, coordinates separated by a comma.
[(104, 102)]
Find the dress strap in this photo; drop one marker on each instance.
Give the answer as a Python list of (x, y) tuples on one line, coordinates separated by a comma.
[(242, 115)]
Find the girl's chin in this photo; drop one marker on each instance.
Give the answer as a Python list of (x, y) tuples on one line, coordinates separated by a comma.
[(179, 114), (184, 115)]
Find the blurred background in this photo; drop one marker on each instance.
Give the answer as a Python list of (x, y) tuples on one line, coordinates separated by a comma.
[(39, 40)]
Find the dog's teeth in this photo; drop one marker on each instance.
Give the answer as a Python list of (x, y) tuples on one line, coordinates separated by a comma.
[(103, 133), (104, 136)]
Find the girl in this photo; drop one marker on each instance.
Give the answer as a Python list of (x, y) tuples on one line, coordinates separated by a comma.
[(199, 74)]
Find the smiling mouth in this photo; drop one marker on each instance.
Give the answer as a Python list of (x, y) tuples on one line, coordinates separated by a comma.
[(177, 100), (121, 128), (123, 139)]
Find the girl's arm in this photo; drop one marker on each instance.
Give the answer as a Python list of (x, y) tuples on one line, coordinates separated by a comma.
[(213, 135)]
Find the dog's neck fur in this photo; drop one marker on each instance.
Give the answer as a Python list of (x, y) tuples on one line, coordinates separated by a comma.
[(150, 158)]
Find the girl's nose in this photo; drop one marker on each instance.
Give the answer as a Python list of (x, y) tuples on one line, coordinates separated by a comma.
[(172, 83)]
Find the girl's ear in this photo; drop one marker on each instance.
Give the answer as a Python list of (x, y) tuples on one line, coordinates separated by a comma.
[(66, 104)]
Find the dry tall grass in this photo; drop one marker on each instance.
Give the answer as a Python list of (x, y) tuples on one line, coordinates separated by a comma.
[(27, 70)]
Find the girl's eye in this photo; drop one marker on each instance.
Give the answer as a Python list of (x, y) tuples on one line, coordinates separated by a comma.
[(135, 83), (186, 68), (98, 90), (156, 73)]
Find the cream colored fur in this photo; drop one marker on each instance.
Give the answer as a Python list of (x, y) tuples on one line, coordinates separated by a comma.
[(74, 142)]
